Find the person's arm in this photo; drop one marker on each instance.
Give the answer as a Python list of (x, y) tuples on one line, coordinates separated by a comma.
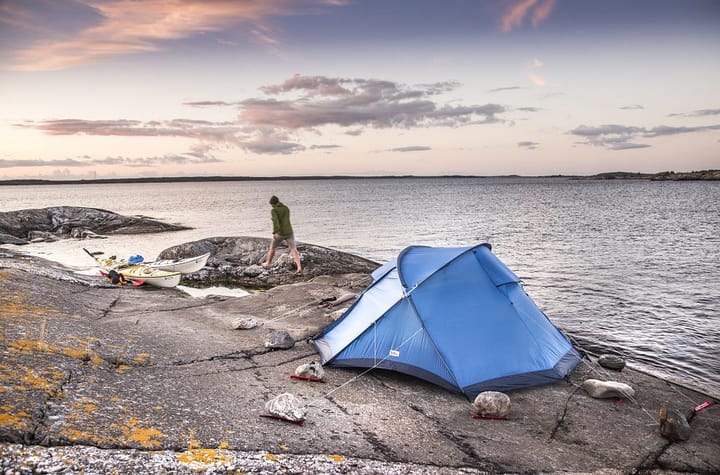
[(275, 221)]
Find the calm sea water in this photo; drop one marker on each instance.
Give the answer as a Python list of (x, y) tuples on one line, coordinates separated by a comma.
[(630, 267)]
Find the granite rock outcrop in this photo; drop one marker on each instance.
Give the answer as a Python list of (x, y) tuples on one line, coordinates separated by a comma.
[(60, 222), (235, 262)]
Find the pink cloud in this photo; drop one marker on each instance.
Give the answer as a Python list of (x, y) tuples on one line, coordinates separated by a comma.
[(140, 26), (518, 10), (542, 11)]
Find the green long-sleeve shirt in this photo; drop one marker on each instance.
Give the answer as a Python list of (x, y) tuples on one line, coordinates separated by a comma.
[(280, 215)]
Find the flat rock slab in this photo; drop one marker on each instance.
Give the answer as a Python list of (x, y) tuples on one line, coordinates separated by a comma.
[(152, 377)]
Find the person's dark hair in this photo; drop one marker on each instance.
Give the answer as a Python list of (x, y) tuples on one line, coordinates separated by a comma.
[(274, 200)]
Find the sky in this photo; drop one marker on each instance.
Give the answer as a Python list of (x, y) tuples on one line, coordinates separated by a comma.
[(145, 88)]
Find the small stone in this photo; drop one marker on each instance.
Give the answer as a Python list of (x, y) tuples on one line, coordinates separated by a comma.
[(673, 425), (286, 406), (279, 339), (611, 362), (312, 369), (244, 323), (492, 404), (607, 389)]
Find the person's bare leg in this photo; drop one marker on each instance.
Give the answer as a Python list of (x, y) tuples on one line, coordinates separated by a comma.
[(269, 258), (298, 262)]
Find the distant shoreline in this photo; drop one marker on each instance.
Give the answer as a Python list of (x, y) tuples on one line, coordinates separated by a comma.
[(661, 176)]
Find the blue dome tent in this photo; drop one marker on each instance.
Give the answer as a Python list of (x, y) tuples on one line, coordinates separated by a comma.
[(457, 317)]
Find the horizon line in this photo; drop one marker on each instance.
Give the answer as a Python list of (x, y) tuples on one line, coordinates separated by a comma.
[(200, 178)]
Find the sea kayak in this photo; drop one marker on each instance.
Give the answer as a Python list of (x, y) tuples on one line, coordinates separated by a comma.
[(138, 274), (184, 266), (150, 275)]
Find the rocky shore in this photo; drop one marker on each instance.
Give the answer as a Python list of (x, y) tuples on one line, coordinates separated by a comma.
[(102, 379)]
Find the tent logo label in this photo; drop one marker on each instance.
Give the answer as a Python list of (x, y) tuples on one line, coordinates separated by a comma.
[(395, 353)]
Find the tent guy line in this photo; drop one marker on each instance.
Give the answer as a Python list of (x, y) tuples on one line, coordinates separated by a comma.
[(354, 378)]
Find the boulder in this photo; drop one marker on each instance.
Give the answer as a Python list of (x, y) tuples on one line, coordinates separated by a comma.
[(83, 233), (10, 239), (279, 339), (42, 236), (491, 404), (673, 425), (607, 389), (235, 262), (613, 362), (61, 222)]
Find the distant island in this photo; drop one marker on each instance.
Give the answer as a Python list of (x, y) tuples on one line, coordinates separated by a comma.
[(661, 176)]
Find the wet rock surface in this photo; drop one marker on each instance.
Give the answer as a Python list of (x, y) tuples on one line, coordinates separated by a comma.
[(102, 379), (59, 222)]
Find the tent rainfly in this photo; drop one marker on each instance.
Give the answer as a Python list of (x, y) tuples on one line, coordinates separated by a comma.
[(457, 317)]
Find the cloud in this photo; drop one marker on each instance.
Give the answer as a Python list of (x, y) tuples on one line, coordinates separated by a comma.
[(67, 162), (411, 148), (528, 145), (620, 137), (209, 103), (315, 101), (269, 124), (508, 88), (535, 78), (697, 113), (324, 147), (632, 107), (196, 129), (269, 140), (125, 27), (182, 159), (519, 10)]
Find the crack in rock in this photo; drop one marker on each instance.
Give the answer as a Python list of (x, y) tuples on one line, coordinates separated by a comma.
[(561, 420), (369, 436), (109, 308), (33, 436), (474, 459)]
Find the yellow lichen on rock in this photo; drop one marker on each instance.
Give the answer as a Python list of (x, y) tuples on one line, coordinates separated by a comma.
[(204, 457), (141, 358), (41, 346), (48, 380), (19, 420), (14, 305), (196, 455), (146, 437), (34, 381)]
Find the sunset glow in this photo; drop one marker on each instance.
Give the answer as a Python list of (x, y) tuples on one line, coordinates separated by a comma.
[(120, 88)]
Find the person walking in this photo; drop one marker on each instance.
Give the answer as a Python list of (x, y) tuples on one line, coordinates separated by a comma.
[(282, 231)]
